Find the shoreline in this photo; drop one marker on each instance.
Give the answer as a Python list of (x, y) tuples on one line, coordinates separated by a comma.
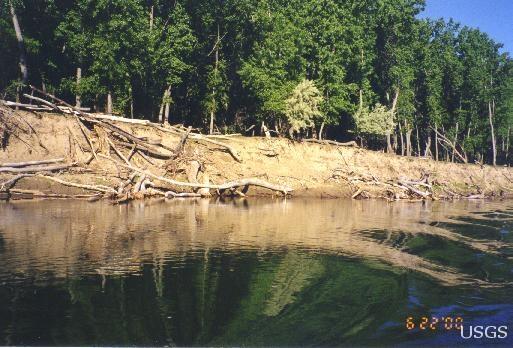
[(101, 156)]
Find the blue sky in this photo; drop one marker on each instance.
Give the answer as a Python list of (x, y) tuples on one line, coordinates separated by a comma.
[(494, 17)]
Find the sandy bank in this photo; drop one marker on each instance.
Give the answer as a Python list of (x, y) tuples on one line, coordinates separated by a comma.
[(310, 169)]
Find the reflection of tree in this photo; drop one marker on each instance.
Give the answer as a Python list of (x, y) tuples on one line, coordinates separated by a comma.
[(122, 312), (212, 298), (291, 276), (340, 301)]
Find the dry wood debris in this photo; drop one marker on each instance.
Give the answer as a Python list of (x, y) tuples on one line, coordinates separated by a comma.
[(139, 182)]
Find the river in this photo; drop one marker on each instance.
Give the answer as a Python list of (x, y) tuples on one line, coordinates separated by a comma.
[(255, 272)]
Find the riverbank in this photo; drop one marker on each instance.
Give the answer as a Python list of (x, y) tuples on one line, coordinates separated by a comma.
[(94, 160)]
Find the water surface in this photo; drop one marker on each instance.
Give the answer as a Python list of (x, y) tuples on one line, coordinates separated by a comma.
[(252, 272)]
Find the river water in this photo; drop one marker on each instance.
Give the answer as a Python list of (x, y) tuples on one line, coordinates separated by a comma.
[(255, 272)]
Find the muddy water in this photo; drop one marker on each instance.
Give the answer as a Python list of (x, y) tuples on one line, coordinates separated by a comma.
[(254, 272)]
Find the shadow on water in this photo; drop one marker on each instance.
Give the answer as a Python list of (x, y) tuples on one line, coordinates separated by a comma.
[(249, 272)]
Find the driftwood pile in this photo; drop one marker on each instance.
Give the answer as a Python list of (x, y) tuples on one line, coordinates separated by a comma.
[(404, 188), (134, 182)]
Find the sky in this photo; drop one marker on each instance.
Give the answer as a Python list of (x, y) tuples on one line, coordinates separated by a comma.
[(494, 17)]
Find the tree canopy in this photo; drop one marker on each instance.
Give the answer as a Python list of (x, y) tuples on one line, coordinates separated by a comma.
[(429, 87)]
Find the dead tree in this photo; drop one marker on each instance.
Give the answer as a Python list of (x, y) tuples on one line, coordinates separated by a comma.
[(21, 45)]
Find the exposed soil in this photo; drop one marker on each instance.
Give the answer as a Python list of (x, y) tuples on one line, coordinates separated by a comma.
[(310, 169)]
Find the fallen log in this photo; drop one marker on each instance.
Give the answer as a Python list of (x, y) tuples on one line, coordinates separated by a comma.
[(7, 185), (37, 169), (172, 194), (98, 188), (39, 194), (31, 163), (229, 149), (476, 196), (410, 183), (103, 123), (102, 120), (228, 185), (222, 136), (331, 142), (414, 190), (117, 151), (149, 149), (51, 96), (30, 107), (120, 119), (198, 138), (357, 193), (41, 100), (450, 144), (67, 109)]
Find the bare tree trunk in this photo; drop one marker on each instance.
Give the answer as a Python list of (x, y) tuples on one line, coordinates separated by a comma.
[(321, 130), (277, 128), (109, 103), (507, 142), (161, 113), (161, 110), (408, 142), (407, 138), (402, 138), (131, 103), (168, 105), (151, 18), (436, 142), (314, 132), (78, 102), (211, 128), (427, 152), (164, 104), (418, 141), (265, 130), (465, 137), (490, 118), (21, 45), (394, 103), (216, 67), (389, 143), (454, 143), (392, 110)]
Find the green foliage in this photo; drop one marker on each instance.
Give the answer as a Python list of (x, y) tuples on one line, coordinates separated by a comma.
[(217, 84), (376, 121), (242, 59), (302, 108)]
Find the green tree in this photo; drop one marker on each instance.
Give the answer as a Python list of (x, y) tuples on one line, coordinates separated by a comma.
[(303, 106)]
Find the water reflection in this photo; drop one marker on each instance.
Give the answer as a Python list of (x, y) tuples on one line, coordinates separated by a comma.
[(257, 272)]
